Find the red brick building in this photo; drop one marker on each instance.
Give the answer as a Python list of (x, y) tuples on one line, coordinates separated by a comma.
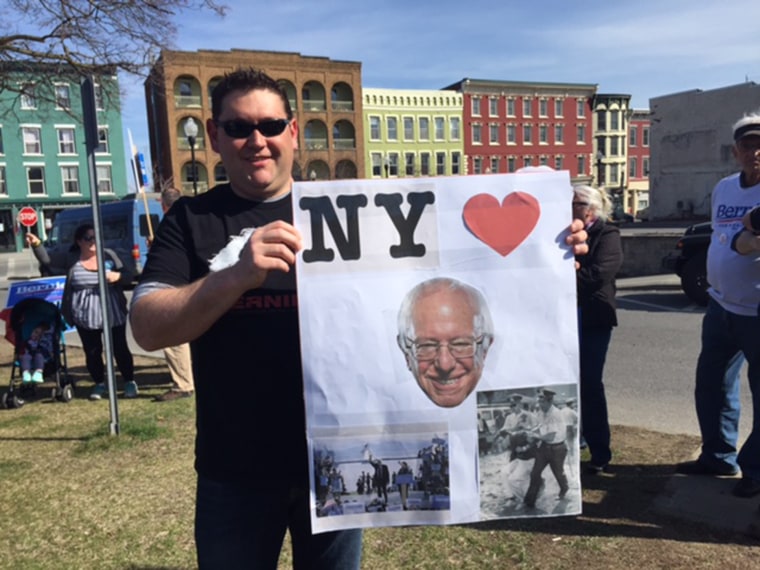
[(511, 124)]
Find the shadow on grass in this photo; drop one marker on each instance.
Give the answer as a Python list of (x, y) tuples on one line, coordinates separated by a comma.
[(625, 509)]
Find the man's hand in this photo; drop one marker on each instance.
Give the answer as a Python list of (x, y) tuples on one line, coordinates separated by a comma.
[(270, 248), (577, 239)]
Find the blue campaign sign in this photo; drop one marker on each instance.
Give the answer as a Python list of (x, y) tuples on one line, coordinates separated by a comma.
[(48, 288), (143, 169)]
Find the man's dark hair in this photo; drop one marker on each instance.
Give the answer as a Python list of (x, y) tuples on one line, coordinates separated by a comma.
[(245, 80)]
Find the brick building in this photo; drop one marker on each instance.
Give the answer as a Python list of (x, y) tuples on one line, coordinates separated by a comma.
[(325, 96)]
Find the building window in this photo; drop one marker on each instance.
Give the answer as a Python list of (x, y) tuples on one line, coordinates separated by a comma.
[(493, 136), (28, 97), (614, 176), (103, 173), (559, 134), (440, 163), (614, 120), (543, 160), (526, 108), (645, 136), (634, 136), (511, 134), (645, 166), (527, 134), (558, 163), (377, 164), (580, 108), (601, 120), (476, 134), (527, 161), (70, 178), (66, 143), (511, 108), (220, 173), (103, 146), (581, 165), (494, 164), (185, 88), (558, 108), (582, 133), (3, 185), (476, 106), (374, 128), (424, 129), (425, 163), (543, 134), (409, 164), (391, 123), (32, 140), (35, 176), (440, 129), (633, 167), (614, 146), (62, 96), (511, 166), (408, 128), (454, 128), (393, 164), (456, 162), (493, 107), (2, 148), (543, 108), (477, 165)]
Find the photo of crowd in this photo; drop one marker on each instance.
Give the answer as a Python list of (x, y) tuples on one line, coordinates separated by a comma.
[(381, 477)]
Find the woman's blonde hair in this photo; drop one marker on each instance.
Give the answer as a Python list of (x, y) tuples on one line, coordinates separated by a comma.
[(598, 200)]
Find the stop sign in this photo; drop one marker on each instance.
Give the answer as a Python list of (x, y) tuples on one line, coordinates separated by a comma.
[(27, 217)]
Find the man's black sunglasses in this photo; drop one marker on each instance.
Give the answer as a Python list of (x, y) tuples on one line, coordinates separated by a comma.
[(240, 129)]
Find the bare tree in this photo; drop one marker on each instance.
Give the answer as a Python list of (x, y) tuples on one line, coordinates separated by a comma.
[(88, 37)]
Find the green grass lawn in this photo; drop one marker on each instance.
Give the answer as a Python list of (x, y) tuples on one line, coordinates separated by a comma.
[(74, 496)]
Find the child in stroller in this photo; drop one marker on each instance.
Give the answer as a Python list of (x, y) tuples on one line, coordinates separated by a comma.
[(37, 330), (37, 350)]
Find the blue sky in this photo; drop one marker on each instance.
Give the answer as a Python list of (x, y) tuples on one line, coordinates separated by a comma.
[(646, 48)]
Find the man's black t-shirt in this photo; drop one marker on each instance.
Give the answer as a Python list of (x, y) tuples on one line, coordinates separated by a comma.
[(247, 366)]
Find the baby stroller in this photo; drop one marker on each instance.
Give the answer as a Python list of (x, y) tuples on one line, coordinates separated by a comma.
[(25, 316)]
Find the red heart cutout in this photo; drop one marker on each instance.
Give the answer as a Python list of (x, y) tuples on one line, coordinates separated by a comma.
[(502, 227)]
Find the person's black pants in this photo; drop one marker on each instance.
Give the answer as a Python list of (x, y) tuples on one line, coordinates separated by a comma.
[(92, 344)]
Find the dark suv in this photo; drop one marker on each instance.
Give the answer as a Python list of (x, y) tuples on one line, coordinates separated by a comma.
[(689, 261)]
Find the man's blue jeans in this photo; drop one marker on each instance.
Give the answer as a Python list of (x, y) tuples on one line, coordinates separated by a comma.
[(726, 337), (243, 526)]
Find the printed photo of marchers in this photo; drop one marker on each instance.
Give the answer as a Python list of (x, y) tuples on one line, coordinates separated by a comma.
[(528, 452), (401, 475)]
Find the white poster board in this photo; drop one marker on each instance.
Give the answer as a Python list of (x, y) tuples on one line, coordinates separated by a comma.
[(389, 442)]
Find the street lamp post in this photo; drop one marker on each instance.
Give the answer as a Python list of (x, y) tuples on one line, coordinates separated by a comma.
[(191, 132), (599, 171)]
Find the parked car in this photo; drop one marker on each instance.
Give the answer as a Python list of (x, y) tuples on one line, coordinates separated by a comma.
[(689, 261)]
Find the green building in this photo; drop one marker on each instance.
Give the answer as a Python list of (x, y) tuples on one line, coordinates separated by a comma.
[(43, 160), (411, 132)]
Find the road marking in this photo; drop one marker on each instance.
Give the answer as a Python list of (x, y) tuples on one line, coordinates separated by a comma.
[(692, 308)]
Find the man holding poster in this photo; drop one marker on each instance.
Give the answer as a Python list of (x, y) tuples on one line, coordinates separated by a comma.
[(221, 276)]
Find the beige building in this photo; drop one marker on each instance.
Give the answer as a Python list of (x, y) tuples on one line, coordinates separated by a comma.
[(412, 132), (325, 96)]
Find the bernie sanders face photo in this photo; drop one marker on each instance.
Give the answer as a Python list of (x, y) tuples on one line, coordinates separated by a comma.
[(445, 331)]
